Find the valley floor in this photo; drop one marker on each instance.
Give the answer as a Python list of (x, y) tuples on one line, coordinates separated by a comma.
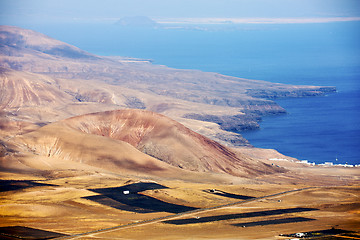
[(100, 205)]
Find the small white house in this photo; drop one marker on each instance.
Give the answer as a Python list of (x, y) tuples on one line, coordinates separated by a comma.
[(300, 235)]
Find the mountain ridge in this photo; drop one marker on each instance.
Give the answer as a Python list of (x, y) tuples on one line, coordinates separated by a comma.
[(189, 96)]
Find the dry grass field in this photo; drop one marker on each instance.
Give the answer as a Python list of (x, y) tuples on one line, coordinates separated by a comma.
[(67, 205)]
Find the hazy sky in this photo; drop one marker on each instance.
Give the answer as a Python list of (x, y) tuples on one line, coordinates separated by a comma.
[(70, 10)]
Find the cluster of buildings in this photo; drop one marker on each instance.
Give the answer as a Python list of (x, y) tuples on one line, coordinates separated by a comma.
[(313, 164)]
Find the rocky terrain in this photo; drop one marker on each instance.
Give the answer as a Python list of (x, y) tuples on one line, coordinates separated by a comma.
[(91, 81)]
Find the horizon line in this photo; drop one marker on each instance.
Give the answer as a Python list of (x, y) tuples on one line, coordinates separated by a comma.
[(260, 20)]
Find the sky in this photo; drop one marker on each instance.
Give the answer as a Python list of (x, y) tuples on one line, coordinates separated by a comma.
[(56, 11)]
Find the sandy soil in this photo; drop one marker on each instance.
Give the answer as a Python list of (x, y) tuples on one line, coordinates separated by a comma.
[(64, 208)]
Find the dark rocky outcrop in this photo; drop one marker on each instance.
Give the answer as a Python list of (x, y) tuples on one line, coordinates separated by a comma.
[(300, 92), (235, 123)]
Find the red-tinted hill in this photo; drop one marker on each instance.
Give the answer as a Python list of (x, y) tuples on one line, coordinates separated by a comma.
[(168, 141)]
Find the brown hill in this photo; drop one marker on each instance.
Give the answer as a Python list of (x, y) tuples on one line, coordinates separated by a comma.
[(133, 142), (24, 89), (57, 141), (168, 141)]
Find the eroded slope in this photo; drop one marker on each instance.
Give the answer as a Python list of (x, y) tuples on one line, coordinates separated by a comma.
[(169, 141)]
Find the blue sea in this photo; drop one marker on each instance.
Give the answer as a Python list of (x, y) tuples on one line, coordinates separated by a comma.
[(317, 129)]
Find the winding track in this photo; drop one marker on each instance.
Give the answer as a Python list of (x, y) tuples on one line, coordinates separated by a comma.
[(170, 217)]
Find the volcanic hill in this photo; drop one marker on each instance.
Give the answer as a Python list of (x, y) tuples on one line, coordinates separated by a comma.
[(136, 141), (168, 141)]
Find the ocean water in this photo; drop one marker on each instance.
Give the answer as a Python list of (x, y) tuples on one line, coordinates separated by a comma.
[(318, 129)]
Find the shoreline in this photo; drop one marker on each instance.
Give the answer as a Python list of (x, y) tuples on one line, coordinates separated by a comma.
[(325, 164)]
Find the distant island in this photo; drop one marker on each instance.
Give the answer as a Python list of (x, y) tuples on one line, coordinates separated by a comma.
[(137, 21)]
